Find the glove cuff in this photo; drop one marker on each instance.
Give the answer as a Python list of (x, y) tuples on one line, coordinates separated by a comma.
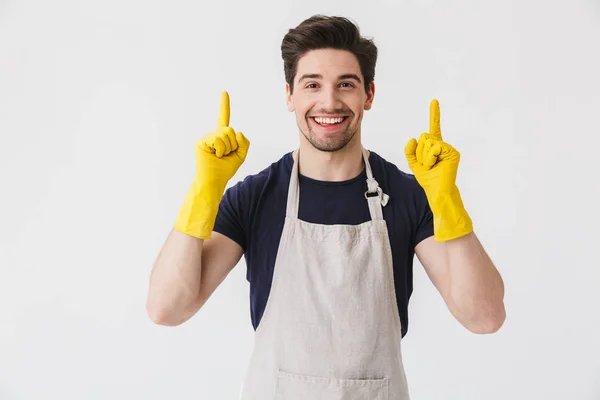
[(199, 210), (450, 218)]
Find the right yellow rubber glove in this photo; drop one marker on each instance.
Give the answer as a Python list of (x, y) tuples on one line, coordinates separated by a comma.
[(219, 155)]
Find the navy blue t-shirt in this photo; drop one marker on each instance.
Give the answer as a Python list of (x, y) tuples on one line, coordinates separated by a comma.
[(252, 213)]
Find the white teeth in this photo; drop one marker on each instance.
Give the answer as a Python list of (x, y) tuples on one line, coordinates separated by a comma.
[(326, 121)]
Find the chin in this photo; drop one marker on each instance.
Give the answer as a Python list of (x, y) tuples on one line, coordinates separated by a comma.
[(329, 148), (329, 145)]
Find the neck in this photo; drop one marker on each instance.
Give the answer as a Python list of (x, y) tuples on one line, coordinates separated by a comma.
[(337, 166)]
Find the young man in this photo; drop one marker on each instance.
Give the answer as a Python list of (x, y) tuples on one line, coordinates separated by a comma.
[(329, 233)]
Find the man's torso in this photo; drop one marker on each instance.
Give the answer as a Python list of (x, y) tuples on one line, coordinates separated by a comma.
[(252, 213)]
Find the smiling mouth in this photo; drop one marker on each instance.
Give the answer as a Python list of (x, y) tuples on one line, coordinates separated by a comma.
[(329, 121)]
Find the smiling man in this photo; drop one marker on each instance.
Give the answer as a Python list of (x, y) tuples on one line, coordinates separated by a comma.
[(329, 233)]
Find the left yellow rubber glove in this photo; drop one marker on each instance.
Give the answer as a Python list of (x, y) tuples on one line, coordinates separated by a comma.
[(435, 164)]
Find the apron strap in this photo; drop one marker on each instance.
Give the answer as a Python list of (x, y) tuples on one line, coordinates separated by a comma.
[(294, 190), (374, 195)]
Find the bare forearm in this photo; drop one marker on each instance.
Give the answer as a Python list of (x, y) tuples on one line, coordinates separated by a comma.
[(476, 287), (175, 280)]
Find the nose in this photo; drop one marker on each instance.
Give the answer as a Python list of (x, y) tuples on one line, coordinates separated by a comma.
[(330, 99)]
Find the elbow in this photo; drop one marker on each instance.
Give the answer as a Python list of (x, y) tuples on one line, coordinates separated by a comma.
[(168, 314), (488, 323), (161, 315)]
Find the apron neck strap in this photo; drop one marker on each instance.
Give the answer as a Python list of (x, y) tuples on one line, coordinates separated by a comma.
[(294, 190)]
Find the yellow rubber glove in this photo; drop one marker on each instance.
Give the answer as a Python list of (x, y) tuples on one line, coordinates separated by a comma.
[(435, 164), (219, 155)]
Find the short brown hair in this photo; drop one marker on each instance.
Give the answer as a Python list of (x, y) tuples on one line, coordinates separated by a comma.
[(325, 32)]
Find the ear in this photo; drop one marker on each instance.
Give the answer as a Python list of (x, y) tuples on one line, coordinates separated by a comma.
[(370, 96), (290, 102)]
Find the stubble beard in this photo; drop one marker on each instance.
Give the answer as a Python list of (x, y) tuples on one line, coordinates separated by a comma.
[(329, 146)]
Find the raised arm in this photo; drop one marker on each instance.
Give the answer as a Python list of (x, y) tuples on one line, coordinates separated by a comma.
[(194, 260), (454, 259)]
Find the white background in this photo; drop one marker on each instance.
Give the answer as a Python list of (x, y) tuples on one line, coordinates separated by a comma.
[(101, 103)]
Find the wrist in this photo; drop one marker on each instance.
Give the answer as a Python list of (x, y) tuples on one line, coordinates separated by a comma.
[(450, 218), (198, 212)]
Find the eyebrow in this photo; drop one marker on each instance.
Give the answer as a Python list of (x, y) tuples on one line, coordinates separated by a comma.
[(319, 76)]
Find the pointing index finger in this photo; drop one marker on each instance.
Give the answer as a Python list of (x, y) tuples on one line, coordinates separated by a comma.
[(434, 119), (224, 113)]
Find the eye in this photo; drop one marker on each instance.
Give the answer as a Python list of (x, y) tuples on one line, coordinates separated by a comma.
[(311, 86), (347, 84)]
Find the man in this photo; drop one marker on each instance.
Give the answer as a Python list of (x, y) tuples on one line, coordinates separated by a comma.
[(329, 233)]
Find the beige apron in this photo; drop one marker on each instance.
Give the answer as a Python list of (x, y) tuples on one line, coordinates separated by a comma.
[(330, 329)]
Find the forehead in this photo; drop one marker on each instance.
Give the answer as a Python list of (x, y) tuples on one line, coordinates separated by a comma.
[(329, 63)]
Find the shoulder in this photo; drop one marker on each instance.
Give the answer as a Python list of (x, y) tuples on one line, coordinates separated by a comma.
[(408, 198), (238, 206), (253, 185)]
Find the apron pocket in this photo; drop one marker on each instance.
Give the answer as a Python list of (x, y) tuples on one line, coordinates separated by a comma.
[(303, 387)]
